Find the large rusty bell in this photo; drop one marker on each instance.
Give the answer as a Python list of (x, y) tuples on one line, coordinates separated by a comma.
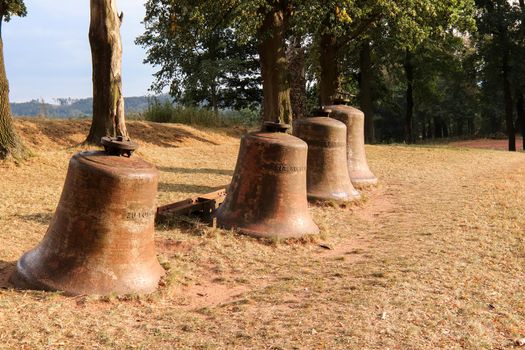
[(267, 196), (328, 178), (101, 238), (354, 120)]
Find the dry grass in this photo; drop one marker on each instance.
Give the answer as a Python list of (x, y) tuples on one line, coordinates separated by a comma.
[(434, 259)]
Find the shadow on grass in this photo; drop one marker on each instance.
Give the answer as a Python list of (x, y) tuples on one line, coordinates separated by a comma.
[(184, 188), (196, 171), (56, 131), (59, 131), (6, 270), (163, 135)]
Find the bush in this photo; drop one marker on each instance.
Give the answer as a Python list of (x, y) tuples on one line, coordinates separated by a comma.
[(166, 112)]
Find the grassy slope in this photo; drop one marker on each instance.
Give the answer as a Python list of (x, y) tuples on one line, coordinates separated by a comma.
[(434, 259)]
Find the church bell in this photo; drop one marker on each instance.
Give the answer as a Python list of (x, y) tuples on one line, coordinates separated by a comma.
[(267, 196), (354, 120), (328, 178), (101, 238)]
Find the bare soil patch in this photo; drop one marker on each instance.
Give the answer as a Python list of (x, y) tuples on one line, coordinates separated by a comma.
[(434, 258), (500, 145)]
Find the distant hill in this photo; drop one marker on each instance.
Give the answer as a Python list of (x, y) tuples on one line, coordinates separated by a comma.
[(67, 107)]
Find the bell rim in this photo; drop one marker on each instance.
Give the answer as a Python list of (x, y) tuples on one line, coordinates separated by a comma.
[(23, 279), (351, 196), (271, 235)]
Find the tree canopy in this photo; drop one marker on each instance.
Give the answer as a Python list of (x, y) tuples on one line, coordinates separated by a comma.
[(9, 8), (418, 68)]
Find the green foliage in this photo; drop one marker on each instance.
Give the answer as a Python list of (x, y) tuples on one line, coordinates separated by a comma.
[(500, 48), (455, 47), (9, 8), (166, 112), (199, 57)]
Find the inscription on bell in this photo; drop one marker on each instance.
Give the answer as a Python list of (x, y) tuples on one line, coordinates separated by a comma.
[(325, 143), (140, 214), (285, 168)]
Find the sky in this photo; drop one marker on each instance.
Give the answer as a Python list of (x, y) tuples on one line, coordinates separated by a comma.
[(47, 53)]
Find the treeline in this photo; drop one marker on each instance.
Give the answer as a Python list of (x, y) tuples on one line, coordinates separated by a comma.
[(418, 69), (67, 107)]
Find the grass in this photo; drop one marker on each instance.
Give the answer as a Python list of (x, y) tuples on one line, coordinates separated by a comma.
[(434, 259), (166, 112)]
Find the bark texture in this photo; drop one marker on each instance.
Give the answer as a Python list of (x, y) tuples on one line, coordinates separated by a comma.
[(277, 106), (10, 143), (520, 107), (106, 52), (296, 61), (329, 71), (409, 122), (509, 104), (365, 87)]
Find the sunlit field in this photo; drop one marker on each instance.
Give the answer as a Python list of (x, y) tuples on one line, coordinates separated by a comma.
[(434, 258)]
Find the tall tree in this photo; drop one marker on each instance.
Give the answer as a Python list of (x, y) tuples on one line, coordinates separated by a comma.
[(199, 57), (520, 84), (277, 105), (10, 143), (402, 25), (106, 51), (263, 23), (296, 55), (365, 89), (497, 24), (432, 26), (329, 80)]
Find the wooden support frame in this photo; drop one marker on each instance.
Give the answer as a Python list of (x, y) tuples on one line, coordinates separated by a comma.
[(203, 207)]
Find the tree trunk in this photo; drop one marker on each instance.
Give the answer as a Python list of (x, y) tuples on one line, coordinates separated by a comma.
[(329, 69), (106, 52), (470, 124), (509, 105), (214, 99), (424, 125), (277, 106), (409, 71), (10, 143), (520, 106), (296, 61), (520, 98), (460, 125), (365, 87)]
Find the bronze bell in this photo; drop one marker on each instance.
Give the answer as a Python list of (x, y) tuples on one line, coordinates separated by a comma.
[(328, 178), (354, 120), (267, 196), (101, 238)]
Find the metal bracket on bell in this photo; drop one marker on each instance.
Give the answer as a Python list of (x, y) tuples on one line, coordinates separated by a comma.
[(119, 146), (276, 127), (322, 112), (342, 101), (343, 98)]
